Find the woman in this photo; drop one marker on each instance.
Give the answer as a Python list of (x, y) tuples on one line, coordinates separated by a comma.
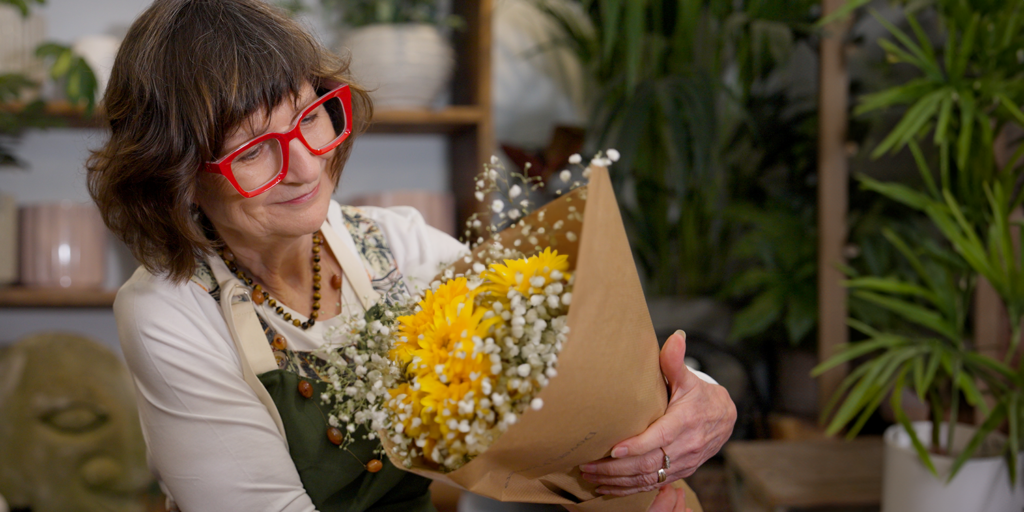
[(229, 130)]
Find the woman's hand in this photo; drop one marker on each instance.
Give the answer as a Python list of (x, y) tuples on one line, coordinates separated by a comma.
[(670, 500), (698, 421)]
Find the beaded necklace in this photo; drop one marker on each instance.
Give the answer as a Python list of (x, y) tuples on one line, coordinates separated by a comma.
[(259, 295)]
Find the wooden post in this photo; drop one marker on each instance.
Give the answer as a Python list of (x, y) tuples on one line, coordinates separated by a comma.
[(991, 321), (833, 95), (471, 145)]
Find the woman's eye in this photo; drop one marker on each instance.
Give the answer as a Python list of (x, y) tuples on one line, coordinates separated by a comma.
[(76, 419), (311, 117), (251, 154)]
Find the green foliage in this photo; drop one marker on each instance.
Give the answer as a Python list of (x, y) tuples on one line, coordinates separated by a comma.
[(357, 13), (22, 5), (967, 91), (79, 86), (79, 81), (12, 123), (664, 96), (784, 280), (771, 163)]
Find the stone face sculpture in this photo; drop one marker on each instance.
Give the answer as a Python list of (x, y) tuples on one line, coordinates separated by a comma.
[(69, 429)]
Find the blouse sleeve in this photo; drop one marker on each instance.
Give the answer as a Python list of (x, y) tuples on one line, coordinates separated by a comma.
[(211, 440), (420, 249)]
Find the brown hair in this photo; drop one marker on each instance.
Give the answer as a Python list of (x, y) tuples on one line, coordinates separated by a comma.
[(187, 73)]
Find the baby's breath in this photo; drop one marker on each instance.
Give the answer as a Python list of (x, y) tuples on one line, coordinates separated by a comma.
[(442, 374)]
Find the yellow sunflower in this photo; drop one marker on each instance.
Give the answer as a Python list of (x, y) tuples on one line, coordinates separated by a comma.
[(517, 274), (436, 348)]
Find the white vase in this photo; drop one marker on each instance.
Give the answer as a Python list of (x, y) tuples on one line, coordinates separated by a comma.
[(981, 485), (99, 51), (405, 66)]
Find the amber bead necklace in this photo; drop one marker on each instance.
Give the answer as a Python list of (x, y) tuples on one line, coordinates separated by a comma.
[(259, 295)]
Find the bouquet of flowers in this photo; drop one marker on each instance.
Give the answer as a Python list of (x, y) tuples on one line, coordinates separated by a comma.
[(530, 356)]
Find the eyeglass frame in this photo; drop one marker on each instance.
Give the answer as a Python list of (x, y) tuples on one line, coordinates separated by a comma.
[(222, 166)]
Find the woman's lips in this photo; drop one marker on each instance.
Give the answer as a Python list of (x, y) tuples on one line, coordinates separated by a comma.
[(304, 197)]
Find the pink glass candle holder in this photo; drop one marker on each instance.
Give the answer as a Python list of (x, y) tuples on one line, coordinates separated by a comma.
[(63, 245)]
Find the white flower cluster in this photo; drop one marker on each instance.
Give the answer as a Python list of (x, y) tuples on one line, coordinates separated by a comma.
[(358, 372), (514, 189), (520, 355), (451, 398)]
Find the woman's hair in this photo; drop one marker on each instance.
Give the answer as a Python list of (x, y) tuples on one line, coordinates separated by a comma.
[(187, 74)]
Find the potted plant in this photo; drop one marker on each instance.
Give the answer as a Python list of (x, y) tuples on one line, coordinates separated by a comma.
[(668, 81), (397, 48), (17, 115), (967, 92)]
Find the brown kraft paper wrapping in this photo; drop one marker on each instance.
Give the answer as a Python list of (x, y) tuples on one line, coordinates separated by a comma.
[(609, 385)]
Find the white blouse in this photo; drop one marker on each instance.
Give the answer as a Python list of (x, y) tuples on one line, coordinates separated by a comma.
[(211, 442)]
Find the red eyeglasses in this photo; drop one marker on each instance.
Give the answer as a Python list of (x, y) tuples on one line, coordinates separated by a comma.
[(261, 163)]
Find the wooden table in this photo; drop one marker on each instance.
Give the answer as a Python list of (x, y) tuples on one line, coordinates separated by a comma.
[(774, 476)]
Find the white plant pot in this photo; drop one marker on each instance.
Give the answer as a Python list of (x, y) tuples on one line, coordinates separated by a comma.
[(405, 66), (981, 485)]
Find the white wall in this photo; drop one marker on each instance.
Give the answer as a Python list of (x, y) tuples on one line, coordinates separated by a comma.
[(57, 173)]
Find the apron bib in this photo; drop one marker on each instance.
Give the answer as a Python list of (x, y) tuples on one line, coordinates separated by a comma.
[(335, 479)]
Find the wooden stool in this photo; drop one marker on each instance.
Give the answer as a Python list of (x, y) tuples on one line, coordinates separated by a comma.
[(773, 476)]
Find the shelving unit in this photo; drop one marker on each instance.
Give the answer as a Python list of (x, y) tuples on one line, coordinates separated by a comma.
[(22, 297), (466, 123)]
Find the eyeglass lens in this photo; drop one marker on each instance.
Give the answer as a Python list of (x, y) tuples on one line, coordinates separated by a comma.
[(263, 162)]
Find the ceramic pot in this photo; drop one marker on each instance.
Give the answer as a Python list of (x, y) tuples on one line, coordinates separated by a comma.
[(981, 485), (98, 51), (405, 66), (63, 245)]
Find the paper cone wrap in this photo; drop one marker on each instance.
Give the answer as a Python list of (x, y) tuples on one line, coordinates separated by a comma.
[(609, 385)]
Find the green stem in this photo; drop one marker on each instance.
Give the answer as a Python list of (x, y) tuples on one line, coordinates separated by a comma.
[(1015, 332), (936, 407)]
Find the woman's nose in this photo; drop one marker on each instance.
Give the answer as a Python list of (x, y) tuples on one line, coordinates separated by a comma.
[(303, 165)]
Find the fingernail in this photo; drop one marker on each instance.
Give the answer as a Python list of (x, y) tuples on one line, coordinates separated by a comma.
[(681, 333), (620, 452), (601, 490), (588, 468)]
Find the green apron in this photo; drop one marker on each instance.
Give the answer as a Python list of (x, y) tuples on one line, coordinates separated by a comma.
[(335, 479)]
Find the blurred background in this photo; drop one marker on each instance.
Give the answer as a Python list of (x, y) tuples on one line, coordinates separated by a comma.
[(830, 184)]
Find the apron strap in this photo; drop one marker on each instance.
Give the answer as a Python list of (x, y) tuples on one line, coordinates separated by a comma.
[(251, 344), (352, 267)]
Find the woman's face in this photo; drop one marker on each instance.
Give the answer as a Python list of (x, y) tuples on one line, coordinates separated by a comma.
[(294, 207)]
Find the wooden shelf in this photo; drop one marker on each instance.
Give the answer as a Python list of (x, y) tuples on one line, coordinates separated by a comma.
[(448, 120), (467, 124), (24, 297), (778, 475)]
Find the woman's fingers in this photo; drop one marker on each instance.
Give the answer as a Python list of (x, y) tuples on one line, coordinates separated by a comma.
[(666, 501), (649, 462), (670, 499)]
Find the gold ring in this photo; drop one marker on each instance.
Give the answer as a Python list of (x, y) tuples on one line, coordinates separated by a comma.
[(668, 462), (662, 476)]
